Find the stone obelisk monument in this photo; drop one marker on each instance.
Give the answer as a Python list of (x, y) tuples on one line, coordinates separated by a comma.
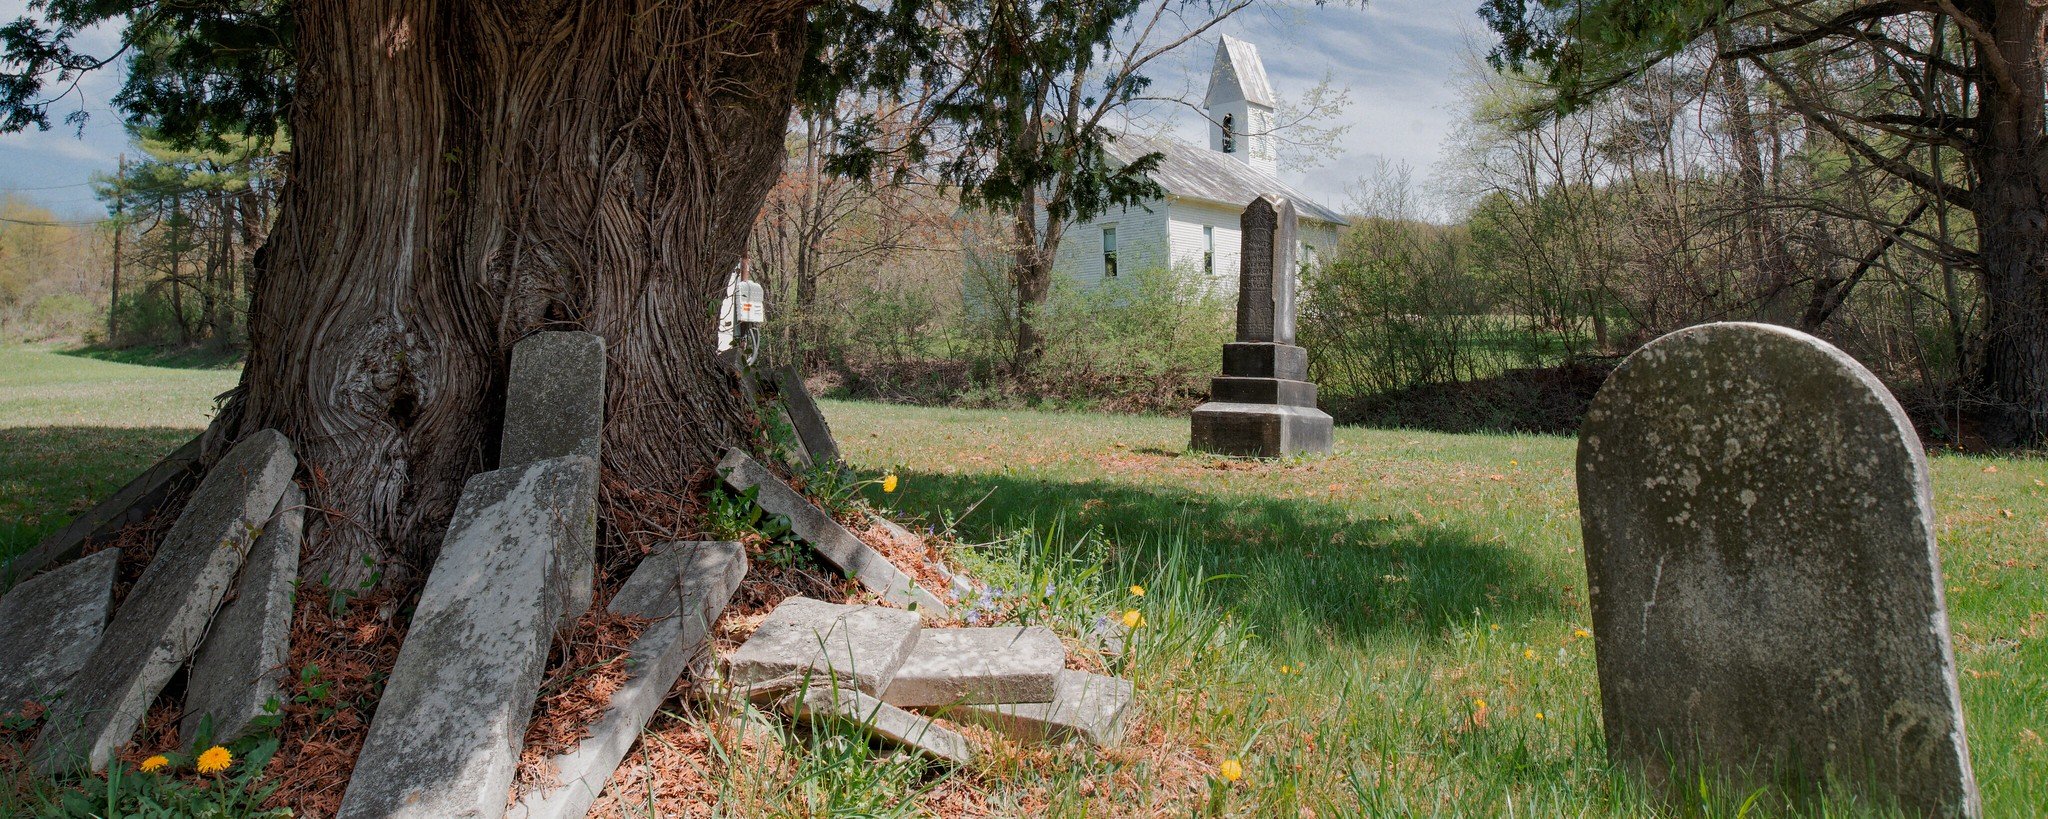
[(1263, 405)]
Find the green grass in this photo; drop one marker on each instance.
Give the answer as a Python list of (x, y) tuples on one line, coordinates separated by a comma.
[(1400, 583), (74, 429)]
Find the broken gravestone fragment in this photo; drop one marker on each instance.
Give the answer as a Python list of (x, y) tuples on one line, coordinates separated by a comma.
[(446, 737), (826, 703), (164, 617), (49, 626), (1092, 707), (240, 668), (806, 642), (830, 540), (804, 415), (1765, 588), (682, 587), (1006, 664)]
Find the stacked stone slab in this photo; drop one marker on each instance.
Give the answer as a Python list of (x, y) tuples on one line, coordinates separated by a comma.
[(682, 588), (129, 504), (161, 622), (240, 668), (446, 737), (1263, 405), (1766, 592), (830, 540), (554, 407), (49, 626), (878, 668)]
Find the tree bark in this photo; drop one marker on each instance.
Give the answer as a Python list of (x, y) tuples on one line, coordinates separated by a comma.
[(466, 173), (2010, 201)]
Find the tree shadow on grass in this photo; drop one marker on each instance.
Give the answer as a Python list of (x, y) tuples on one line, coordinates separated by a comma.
[(48, 475), (1333, 566), (196, 357)]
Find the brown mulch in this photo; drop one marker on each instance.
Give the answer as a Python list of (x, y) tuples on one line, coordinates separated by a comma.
[(584, 670), (352, 648)]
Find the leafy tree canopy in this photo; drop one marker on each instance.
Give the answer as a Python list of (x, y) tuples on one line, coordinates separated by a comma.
[(1583, 48)]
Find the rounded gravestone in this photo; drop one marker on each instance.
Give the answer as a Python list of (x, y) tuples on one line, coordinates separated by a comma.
[(1765, 590)]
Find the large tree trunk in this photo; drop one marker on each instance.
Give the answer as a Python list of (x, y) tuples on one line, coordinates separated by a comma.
[(465, 173), (2010, 200)]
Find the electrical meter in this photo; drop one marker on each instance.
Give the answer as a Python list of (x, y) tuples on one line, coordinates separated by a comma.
[(749, 303)]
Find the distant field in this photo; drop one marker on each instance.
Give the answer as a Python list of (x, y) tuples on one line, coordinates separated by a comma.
[(1390, 631)]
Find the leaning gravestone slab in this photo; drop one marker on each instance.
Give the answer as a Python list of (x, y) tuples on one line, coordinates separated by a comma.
[(241, 666), (832, 541), (447, 733), (554, 407), (129, 504), (682, 587), (811, 429), (164, 617), (1765, 588), (50, 625)]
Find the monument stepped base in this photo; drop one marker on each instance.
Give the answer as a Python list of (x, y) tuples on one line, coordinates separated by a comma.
[(1261, 430)]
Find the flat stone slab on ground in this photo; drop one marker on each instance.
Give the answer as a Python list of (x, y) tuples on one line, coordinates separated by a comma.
[(129, 504), (49, 626), (831, 540), (164, 617), (1090, 706), (883, 720), (1765, 589), (683, 587), (446, 737), (241, 666), (1007, 664), (812, 642)]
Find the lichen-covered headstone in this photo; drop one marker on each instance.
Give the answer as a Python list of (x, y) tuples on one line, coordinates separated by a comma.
[(1766, 595)]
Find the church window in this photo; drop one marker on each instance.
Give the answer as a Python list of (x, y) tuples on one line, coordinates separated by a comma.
[(1109, 251), (1229, 135), (1208, 250)]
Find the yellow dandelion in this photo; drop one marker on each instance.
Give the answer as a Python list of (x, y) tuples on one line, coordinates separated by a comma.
[(214, 760), (1479, 704), (1283, 668), (888, 483), (1528, 654), (1581, 633), (155, 763), (1539, 716), (1512, 462), (1493, 627), (1231, 770), (1137, 591), (1134, 619)]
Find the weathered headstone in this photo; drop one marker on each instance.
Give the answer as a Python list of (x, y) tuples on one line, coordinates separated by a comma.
[(978, 665), (682, 587), (831, 541), (49, 626), (1263, 405), (1765, 589), (164, 617), (240, 668), (129, 504), (1092, 707), (811, 429), (446, 737), (554, 407), (811, 642), (823, 702)]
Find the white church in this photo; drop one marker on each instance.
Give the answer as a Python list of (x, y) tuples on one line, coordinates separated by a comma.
[(1195, 226)]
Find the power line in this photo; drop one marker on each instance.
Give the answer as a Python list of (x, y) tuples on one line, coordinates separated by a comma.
[(50, 187)]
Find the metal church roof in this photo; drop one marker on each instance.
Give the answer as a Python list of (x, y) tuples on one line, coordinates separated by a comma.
[(1238, 75), (1197, 173)]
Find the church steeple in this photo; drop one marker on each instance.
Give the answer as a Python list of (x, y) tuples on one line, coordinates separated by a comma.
[(1240, 103)]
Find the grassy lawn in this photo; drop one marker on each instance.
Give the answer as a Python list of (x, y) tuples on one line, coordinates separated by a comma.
[(1393, 630)]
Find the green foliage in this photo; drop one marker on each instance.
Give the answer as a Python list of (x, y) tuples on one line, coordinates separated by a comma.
[(1588, 47), (175, 791)]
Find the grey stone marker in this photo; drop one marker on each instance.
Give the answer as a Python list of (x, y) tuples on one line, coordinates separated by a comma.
[(50, 624), (1262, 405), (129, 504), (815, 643), (554, 406), (164, 617), (804, 414), (446, 737), (978, 665), (832, 541), (683, 587), (824, 702), (241, 666), (1089, 706), (1765, 589)]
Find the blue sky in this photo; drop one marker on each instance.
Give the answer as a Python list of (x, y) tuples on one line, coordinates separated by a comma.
[(1400, 59)]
